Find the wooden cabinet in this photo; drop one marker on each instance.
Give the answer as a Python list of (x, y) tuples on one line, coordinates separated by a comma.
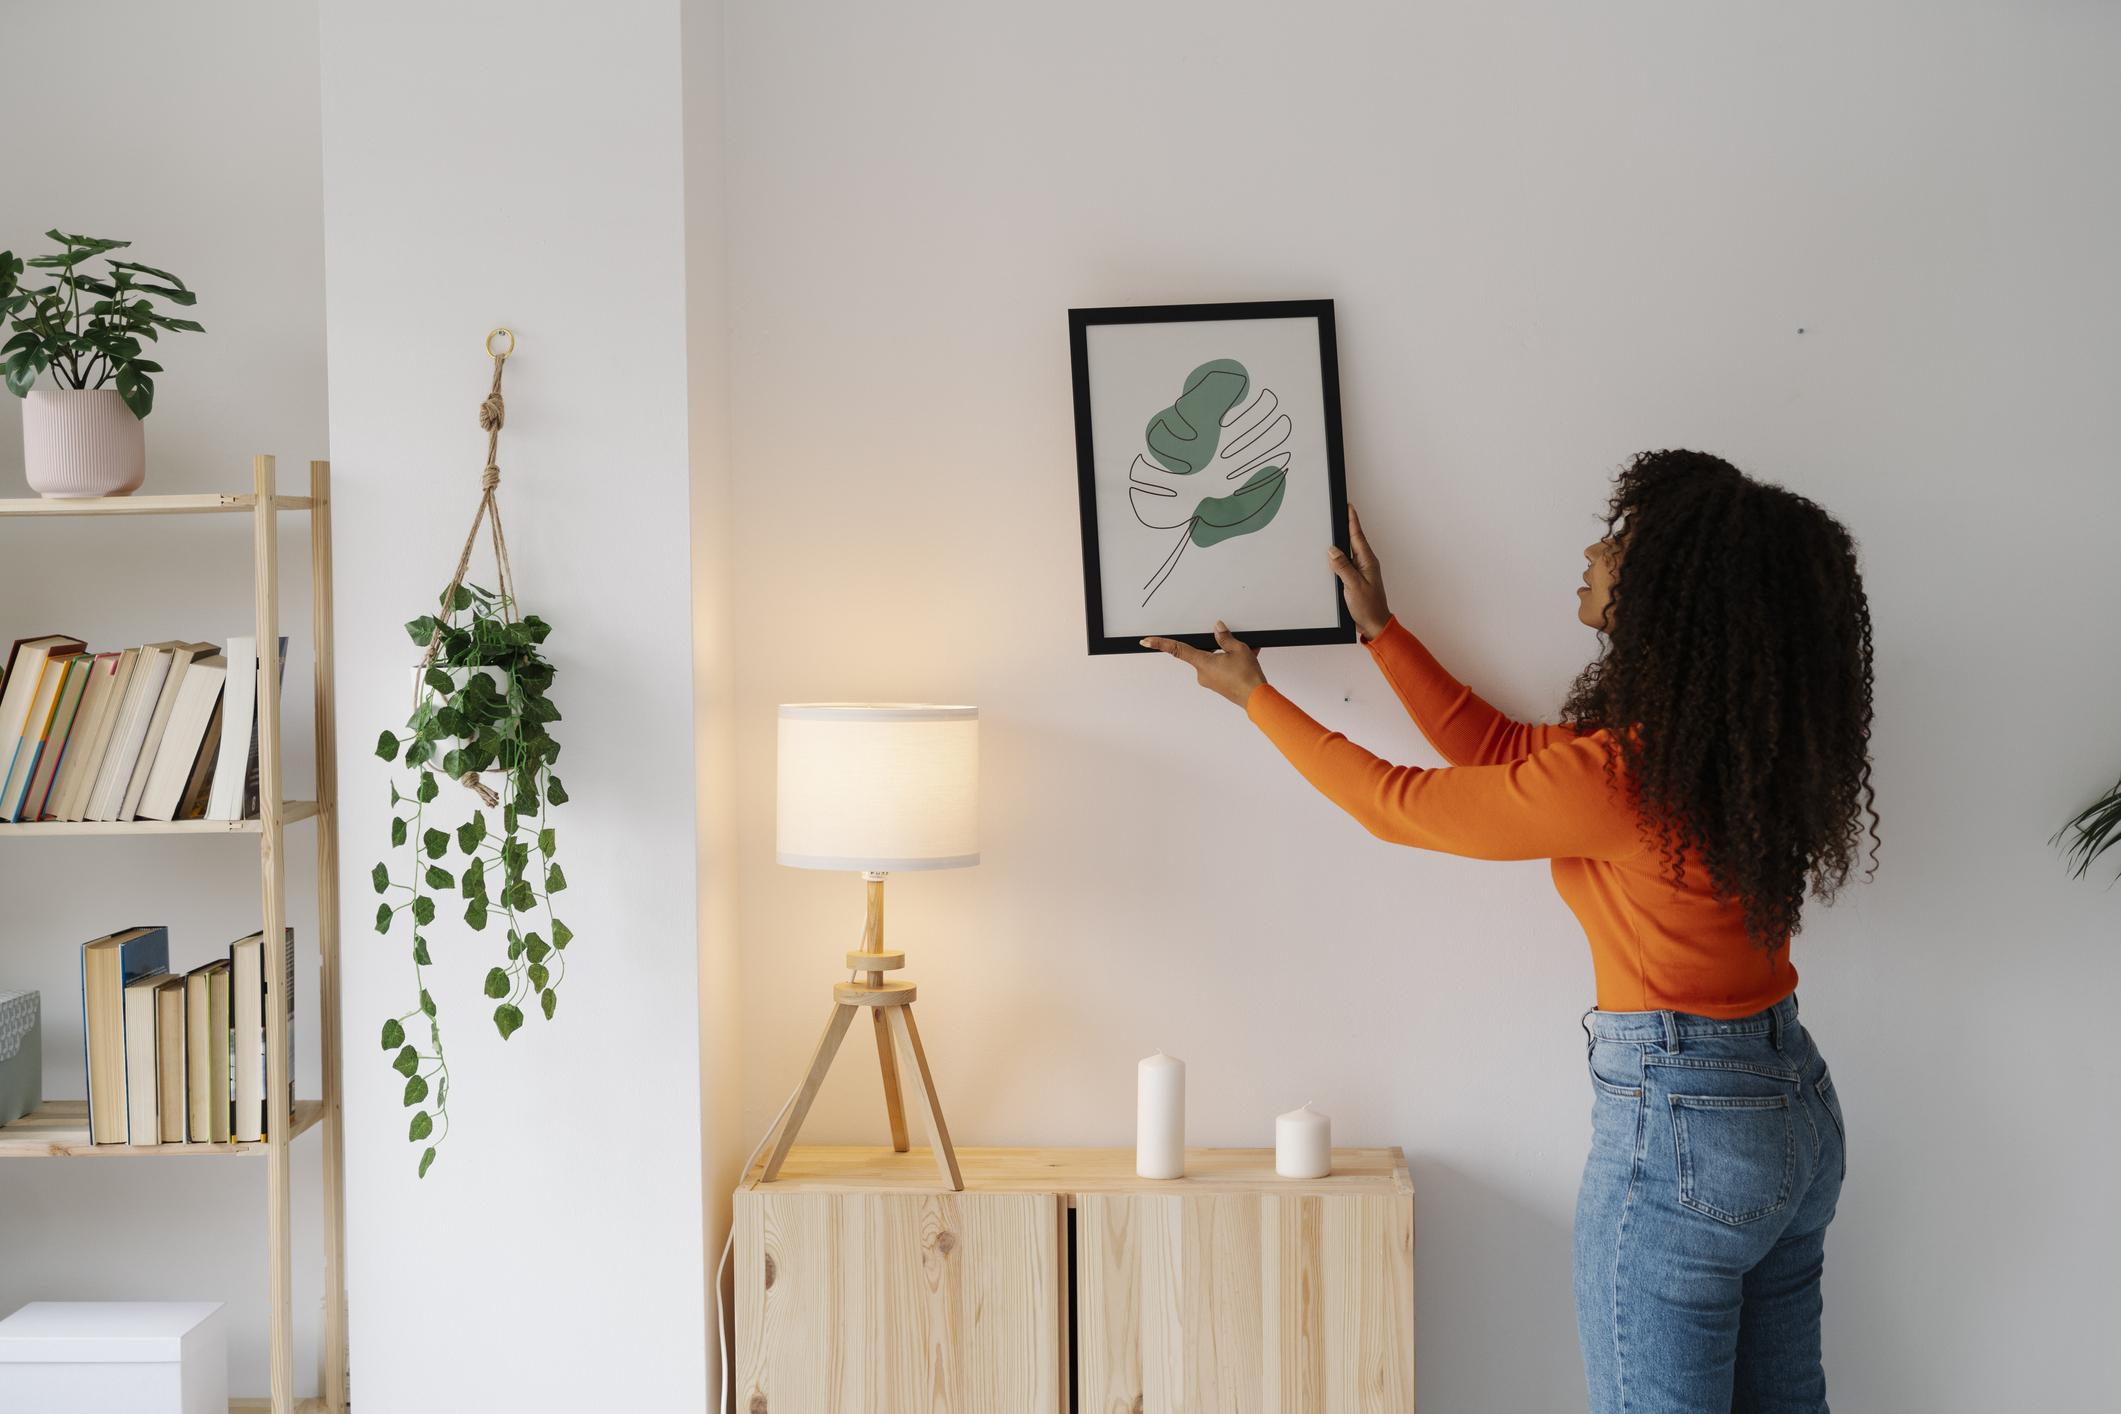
[(851, 1302), (1245, 1301), (1059, 1281)]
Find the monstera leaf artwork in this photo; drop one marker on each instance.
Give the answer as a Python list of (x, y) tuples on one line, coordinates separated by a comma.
[(1217, 465), (1208, 472)]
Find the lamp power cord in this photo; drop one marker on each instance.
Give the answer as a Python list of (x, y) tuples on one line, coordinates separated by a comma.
[(721, 1338)]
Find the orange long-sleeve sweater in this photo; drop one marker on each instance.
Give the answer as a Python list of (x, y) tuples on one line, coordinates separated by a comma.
[(1517, 790)]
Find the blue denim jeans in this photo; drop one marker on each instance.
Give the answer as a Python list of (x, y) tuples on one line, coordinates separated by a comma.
[(1717, 1154)]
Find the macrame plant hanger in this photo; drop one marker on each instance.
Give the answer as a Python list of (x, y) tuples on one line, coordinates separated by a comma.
[(492, 413)]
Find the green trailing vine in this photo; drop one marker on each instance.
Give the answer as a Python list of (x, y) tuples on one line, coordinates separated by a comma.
[(482, 706)]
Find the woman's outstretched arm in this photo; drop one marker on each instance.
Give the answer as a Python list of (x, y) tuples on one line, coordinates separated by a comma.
[(1464, 729), (1554, 803)]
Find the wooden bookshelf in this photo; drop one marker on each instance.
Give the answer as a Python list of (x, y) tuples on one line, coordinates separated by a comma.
[(59, 1129), (43, 507), (290, 812)]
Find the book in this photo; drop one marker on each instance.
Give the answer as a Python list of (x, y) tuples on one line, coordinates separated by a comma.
[(108, 964), (44, 695), (235, 795), (89, 724), (49, 678), (91, 765), (25, 668), (142, 1124), (206, 1053), (253, 1067), (170, 1099), (12, 653), (181, 656), (198, 697), (239, 720), (57, 735), (150, 670), (192, 804), (250, 773)]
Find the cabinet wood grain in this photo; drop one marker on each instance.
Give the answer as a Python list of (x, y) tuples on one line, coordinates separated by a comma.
[(1245, 1304), (946, 1303)]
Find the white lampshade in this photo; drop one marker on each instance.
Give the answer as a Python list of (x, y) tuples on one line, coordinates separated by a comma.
[(878, 786)]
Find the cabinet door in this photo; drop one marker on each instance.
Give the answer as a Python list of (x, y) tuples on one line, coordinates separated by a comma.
[(892, 1303), (1245, 1303)]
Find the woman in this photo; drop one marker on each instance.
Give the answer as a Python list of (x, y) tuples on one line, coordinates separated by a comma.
[(1711, 767)]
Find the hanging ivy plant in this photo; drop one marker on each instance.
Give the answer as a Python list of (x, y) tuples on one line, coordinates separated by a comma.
[(482, 706)]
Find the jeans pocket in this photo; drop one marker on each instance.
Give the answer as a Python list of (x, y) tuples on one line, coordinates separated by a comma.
[(1615, 1073), (1737, 1154), (1831, 1103)]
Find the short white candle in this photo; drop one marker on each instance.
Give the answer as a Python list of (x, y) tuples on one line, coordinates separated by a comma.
[(1303, 1144), (1160, 1118)]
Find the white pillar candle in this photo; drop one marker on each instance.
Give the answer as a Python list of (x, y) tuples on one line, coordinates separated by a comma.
[(1160, 1118), (1303, 1144)]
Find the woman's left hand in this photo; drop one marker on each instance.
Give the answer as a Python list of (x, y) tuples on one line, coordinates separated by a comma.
[(1233, 672)]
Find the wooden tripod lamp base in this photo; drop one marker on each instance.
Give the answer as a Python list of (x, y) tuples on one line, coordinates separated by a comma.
[(898, 1044)]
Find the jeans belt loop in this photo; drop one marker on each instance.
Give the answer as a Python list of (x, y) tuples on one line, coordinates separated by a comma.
[(1590, 1042), (1774, 1023), (1671, 1032)]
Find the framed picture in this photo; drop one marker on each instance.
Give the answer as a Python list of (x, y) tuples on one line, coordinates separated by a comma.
[(1208, 461)]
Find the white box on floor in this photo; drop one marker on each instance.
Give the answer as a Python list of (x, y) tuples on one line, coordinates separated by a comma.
[(115, 1357)]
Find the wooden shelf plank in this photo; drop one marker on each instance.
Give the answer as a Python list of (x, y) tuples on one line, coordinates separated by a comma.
[(264, 1406), (58, 1129), (290, 811), (208, 504), (826, 1168)]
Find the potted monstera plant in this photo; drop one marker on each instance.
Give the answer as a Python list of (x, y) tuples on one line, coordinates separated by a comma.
[(88, 328)]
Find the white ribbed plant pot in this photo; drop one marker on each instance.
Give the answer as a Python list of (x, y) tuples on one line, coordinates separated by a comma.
[(81, 442), (446, 744)]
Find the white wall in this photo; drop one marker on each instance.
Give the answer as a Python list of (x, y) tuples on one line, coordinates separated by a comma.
[(488, 164), (713, 629), (199, 143), (1557, 234)]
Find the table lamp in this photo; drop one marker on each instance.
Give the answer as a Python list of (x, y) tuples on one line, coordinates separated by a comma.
[(877, 788)]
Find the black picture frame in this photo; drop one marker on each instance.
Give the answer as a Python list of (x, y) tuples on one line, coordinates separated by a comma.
[(1080, 321)]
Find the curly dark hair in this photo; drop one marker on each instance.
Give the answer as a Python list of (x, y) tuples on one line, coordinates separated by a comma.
[(1735, 674)]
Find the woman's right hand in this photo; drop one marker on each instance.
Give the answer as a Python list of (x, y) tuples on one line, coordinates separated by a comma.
[(1362, 583)]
